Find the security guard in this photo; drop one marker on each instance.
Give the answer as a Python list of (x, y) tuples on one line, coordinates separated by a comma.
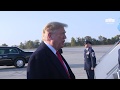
[(89, 60), (119, 57)]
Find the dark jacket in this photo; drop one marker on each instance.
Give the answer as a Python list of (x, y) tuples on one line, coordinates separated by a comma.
[(119, 58), (44, 64), (89, 59)]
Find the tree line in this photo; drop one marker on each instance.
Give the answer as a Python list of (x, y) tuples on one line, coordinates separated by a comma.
[(74, 42)]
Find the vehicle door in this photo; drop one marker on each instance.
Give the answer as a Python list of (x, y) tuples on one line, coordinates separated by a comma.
[(13, 53), (4, 56)]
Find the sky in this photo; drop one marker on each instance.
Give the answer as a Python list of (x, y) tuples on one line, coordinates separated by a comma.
[(21, 26)]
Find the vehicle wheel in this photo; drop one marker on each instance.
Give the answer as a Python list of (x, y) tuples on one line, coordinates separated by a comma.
[(19, 63)]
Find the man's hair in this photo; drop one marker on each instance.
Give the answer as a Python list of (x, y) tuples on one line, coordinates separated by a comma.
[(53, 26)]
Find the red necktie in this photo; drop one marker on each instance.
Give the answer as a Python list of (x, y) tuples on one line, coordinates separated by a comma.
[(62, 62)]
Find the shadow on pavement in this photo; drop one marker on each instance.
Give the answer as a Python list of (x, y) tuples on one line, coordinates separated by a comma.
[(76, 65), (10, 68)]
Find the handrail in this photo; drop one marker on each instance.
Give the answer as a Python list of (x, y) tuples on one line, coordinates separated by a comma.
[(113, 69), (108, 51)]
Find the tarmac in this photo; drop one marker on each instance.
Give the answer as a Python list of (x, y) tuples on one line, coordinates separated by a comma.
[(73, 55)]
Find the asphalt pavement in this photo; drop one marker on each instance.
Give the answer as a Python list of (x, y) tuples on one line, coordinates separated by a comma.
[(74, 57)]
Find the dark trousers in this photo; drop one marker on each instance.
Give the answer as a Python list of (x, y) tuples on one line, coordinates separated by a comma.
[(90, 74)]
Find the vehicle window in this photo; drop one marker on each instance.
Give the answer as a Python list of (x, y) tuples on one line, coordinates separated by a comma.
[(2, 51), (6, 51), (13, 51)]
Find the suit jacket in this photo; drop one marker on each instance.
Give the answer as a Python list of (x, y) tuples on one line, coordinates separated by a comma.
[(44, 64), (119, 58), (89, 59)]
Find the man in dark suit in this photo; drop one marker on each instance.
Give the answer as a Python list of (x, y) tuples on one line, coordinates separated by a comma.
[(89, 60), (44, 62), (119, 58)]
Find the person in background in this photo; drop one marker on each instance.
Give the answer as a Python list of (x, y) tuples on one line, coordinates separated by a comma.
[(119, 58), (89, 60), (46, 62), (118, 70)]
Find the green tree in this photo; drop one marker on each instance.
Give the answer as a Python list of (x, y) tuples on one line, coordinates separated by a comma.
[(22, 46), (4, 44), (36, 43), (29, 44), (73, 42)]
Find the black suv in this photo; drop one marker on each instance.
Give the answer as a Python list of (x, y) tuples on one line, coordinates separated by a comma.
[(13, 56)]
